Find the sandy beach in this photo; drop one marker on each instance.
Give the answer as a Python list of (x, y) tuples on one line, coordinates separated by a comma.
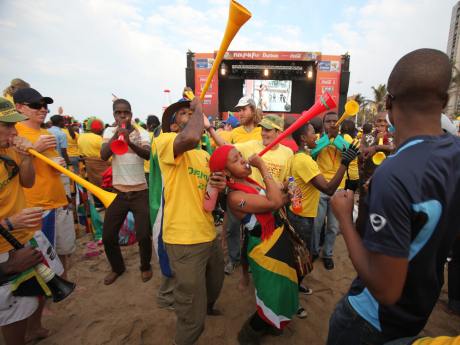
[(126, 312)]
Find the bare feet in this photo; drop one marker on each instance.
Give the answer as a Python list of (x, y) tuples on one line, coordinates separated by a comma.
[(110, 278), (38, 334), (146, 275), (47, 311)]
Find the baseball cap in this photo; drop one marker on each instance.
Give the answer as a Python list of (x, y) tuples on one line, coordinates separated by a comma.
[(95, 125), (232, 121), (244, 101), (8, 112), (56, 118), (29, 95), (272, 122)]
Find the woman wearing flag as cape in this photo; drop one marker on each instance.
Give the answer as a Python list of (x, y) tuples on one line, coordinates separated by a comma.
[(269, 248)]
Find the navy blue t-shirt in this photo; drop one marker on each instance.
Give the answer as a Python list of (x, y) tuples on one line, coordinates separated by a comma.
[(413, 207)]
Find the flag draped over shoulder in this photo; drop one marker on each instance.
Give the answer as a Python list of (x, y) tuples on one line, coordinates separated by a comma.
[(156, 203), (271, 259)]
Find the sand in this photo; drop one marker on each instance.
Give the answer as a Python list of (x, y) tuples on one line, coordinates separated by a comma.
[(126, 312)]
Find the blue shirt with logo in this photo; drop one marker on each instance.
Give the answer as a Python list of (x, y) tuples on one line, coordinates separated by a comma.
[(413, 212), (61, 138)]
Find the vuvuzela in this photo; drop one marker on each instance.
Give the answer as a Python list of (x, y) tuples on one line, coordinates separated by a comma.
[(351, 109), (379, 157), (106, 197), (58, 287), (325, 102), (237, 16)]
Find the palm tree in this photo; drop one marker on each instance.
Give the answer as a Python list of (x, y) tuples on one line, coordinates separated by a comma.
[(359, 98), (366, 109), (379, 96)]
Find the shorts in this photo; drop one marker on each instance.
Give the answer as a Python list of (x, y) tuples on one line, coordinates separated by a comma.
[(59, 228), (17, 308), (66, 182), (352, 185)]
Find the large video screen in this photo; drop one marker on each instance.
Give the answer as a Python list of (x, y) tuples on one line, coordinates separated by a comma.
[(269, 95)]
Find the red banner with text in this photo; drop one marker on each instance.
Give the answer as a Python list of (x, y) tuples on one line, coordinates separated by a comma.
[(203, 64), (328, 76)]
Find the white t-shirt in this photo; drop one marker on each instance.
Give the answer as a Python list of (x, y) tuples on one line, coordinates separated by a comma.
[(128, 169)]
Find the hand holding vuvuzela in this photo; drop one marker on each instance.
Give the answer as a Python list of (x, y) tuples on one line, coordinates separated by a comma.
[(238, 15)]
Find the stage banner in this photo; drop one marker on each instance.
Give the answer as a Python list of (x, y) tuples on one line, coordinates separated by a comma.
[(203, 64), (275, 56), (328, 72)]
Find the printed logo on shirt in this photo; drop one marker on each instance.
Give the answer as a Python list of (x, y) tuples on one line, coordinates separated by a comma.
[(377, 221)]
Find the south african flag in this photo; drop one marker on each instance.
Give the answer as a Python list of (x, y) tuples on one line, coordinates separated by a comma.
[(275, 278)]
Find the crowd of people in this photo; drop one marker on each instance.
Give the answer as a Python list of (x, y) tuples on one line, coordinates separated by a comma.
[(282, 211)]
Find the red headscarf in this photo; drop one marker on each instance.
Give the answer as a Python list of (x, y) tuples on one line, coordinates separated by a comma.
[(217, 162), (218, 159)]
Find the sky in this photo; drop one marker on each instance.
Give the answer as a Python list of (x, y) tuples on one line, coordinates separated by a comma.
[(80, 52)]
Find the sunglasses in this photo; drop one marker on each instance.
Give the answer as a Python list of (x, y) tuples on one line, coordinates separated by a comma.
[(37, 106)]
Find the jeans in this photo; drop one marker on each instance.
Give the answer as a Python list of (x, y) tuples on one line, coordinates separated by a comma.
[(303, 226), (332, 228), (74, 163), (347, 327), (233, 237), (454, 278), (138, 204)]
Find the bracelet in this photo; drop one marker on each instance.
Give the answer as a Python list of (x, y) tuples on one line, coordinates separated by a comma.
[(9, 224), (267, 177)]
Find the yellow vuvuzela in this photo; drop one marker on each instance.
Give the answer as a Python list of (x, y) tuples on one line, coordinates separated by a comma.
[(237, 16), (351, 109), (106, 197)]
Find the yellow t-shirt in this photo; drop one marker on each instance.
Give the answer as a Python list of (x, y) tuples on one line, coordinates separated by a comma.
[(147, 162), (12, 201), (48, 191), (353, 171), (89, 145), (226, 135), (72, 144), (329, 162), (184, 177), (443, 340), (277, 160), (303, 168), (240, 135)]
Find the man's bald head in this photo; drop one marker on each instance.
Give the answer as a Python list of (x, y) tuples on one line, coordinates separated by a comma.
[(420, 80)]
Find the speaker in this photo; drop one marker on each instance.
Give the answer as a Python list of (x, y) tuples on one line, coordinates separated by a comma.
[(190, 70), (344, 82), (230, 91)]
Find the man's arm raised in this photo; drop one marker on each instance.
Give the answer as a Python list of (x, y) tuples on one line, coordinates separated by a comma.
[(190, 136)]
